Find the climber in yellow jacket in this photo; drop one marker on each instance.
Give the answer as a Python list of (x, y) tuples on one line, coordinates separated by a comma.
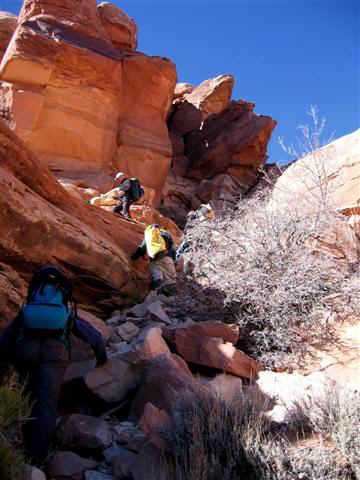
[(160, 248)]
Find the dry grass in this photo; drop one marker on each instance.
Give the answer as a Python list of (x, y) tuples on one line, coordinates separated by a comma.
[(14, 410), (212, 439)]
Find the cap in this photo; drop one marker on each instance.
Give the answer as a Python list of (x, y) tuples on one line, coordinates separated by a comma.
[(118, 175)]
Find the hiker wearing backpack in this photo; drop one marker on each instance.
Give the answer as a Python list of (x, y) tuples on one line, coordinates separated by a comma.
[(160, 248), (126, 192), (37, 344)]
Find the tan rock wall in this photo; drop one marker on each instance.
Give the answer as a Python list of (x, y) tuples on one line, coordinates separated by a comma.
[(329, 175)]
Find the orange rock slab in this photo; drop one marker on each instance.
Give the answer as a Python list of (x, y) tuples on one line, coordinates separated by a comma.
[(213, 352)]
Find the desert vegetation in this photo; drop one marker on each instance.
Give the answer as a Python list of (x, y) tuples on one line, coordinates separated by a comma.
[(14, 410), (213, 438), (281, 272), (271, 277)]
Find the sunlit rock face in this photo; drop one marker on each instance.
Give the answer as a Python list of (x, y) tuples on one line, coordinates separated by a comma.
[(80, 96), (40, 223), (329, 175), (219, 147)]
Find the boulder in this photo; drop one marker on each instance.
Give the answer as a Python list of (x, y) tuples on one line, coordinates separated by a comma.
[(224, 149), (121, 29), (182, 88), (232, 141), (166, 380), (68, 466), (82, 17), (127, 331), (211, 96), (146, 347), (152, 422), (229, 332), (125, 433), (224, 386), (84, 432), (158, 313), (215, 353), (112, 381)]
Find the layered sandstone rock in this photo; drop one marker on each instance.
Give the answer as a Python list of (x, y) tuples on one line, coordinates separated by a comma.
[(143, 145), (8, 24), (212, 95), (82, 99), (121, 29), (40, 223), (82, 15), (219, 148)]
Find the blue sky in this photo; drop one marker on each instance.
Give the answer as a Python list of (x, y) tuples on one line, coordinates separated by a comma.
[(285, 55)]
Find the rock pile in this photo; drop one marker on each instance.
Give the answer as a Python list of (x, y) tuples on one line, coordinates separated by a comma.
[(152, 360)]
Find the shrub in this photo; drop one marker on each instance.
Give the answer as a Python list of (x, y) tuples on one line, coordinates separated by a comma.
[(14, 410), (273, 281), (212, 439), (338, 419), (209, 439)]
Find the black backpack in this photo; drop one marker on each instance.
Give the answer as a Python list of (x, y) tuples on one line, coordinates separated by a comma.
[(136, 190)]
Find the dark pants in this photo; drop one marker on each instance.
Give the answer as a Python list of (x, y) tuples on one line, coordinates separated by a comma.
[(123, 207), (42, 363)]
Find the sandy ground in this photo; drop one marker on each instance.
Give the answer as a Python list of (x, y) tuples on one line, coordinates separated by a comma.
[(341, 359)]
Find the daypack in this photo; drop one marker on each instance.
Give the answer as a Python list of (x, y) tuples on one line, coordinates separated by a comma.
[(47, 311), (154, 241), (136, 190)]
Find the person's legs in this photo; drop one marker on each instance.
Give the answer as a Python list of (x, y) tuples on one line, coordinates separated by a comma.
[(44, 385), (163, 275), (123, 207), (117, 208), (156, 276), (126, 206)]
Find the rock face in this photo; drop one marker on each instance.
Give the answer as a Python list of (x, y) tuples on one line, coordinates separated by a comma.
[(8, 23), (212, 95), (82, 99), (40, 223), (328, 175), (121, 29), (218, 147)]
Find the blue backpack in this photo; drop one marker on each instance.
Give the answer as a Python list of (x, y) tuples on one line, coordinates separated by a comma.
[(47, 312)]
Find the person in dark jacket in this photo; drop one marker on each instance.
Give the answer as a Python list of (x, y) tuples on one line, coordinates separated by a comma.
[(162, 265), (123, 195), (42, 361)]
